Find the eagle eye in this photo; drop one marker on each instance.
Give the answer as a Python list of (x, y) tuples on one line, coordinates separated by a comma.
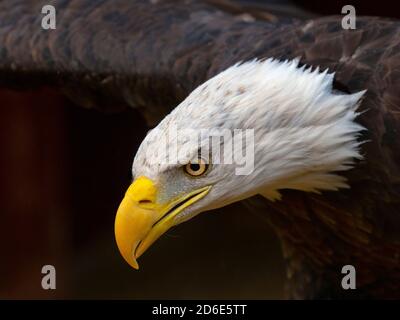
[(197, 168)]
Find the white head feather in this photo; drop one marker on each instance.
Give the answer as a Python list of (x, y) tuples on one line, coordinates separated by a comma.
[(304, 133)]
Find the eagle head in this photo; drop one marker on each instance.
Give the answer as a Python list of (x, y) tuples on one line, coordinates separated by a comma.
[(255, 128)]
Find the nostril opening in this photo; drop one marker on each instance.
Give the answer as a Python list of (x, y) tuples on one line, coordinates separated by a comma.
[(145, 201)]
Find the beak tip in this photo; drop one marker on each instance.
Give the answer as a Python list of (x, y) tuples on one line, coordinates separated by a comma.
[(133, 263), (136, 267)]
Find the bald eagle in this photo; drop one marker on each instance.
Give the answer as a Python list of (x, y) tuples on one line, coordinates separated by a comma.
[(304, 134), (326, 142)]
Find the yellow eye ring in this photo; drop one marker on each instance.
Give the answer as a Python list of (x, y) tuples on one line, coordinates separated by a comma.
[(196, 169)]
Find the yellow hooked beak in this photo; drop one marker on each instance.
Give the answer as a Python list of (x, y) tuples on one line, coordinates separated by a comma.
[(140, 220)]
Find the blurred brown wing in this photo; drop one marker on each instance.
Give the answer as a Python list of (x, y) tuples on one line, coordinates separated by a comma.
[(112, 54)]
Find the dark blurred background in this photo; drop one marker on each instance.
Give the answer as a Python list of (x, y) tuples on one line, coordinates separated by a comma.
[(63, 172), (383, 8)]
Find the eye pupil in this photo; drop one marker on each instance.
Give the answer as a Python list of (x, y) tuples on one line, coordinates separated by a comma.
[(194, 166)]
